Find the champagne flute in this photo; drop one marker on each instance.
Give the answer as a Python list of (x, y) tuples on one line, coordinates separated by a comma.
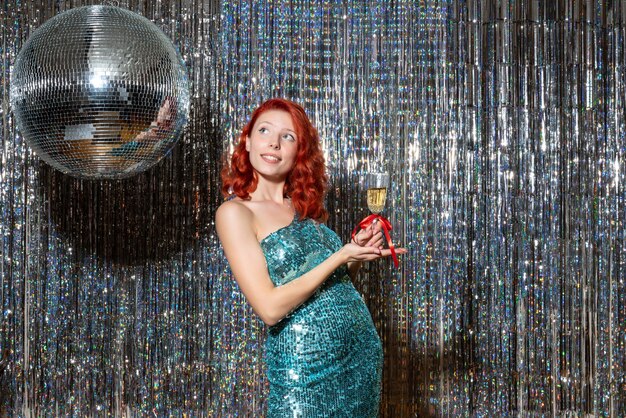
[(376, 185)]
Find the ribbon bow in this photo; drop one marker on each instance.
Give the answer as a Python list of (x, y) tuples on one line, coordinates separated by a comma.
[(386, 228)]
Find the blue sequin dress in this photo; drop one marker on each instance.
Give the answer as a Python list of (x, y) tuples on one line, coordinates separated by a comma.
[(325, 358)]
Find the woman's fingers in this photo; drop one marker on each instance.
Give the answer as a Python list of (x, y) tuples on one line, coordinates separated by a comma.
[(363, 236), (374, 237), (370, 253), (387, 252), (366, 236), (377, 227)]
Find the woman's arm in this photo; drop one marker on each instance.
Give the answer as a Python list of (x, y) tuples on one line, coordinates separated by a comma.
[(235, 228)]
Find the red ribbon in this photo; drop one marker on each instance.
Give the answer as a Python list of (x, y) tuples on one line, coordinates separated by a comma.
[(386, 228)]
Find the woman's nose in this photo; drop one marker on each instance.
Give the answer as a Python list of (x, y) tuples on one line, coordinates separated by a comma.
[(275, 142)]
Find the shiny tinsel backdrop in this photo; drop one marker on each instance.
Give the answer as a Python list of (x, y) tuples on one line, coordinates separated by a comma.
[(502, 124)]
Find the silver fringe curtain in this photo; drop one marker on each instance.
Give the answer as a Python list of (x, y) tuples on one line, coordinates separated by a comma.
[(502, 124)]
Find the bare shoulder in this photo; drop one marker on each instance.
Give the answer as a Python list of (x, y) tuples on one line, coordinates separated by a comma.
[(233, 208), (233, 212), (234, 223)]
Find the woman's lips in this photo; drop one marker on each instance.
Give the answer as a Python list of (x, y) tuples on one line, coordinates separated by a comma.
[(271, 159)]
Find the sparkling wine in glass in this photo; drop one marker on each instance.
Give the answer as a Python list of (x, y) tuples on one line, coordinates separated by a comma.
[(377, 184)]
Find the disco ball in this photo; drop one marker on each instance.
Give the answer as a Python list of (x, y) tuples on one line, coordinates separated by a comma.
[(100, 92)]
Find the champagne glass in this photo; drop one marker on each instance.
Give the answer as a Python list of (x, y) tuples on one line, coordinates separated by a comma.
[(376, 185)]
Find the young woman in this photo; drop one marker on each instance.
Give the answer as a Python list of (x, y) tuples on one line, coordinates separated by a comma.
[(323, 354)]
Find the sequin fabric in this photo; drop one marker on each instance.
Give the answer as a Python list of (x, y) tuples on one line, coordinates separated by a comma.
[(325, 358)]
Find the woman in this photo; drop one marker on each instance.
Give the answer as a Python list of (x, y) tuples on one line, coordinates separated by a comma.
[(323, 354)]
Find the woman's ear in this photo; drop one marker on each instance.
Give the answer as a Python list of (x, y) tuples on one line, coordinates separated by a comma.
[(248, 143)]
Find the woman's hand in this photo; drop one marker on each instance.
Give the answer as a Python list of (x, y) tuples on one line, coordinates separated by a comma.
[(352, 252), (367, 245), (372, 236)]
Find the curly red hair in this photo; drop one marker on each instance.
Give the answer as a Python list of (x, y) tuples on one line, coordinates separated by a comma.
[(306, 184)]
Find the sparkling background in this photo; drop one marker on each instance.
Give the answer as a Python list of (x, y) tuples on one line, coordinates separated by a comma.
[(502, 123)]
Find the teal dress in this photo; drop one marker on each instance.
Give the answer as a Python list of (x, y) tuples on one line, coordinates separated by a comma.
[(325, 358)]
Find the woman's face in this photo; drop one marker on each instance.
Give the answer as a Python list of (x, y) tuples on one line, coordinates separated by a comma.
[(272, 144)]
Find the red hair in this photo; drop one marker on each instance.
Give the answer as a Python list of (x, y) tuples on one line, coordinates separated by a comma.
[(306, 183)]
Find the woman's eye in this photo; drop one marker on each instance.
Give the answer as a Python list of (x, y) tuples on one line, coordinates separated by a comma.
[(289, 137), (263, 130)]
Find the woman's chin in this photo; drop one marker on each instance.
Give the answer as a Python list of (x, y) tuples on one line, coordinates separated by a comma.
[(272, 176)]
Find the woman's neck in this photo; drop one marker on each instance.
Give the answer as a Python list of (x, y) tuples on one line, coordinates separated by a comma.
[(268, 191)]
